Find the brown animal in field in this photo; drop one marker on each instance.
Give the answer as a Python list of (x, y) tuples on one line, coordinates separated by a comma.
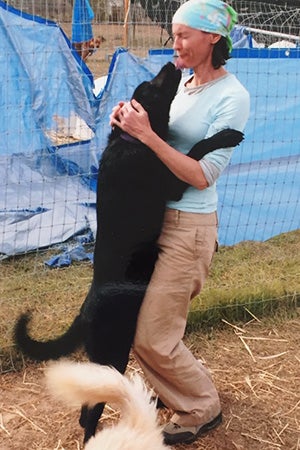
[(88, 48)]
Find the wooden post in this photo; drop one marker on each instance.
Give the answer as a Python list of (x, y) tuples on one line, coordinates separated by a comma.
[(126, 14)]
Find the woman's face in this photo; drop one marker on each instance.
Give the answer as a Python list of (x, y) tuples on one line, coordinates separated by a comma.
[(193, 47)]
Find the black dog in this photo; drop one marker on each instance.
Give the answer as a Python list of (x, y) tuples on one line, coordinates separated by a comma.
[(133, 187)]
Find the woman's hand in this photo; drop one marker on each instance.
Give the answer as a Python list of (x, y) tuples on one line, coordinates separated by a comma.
[(132, 118), (115, 112)]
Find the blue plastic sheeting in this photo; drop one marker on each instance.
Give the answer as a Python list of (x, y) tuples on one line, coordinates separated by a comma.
[(241, 38), (41, 79), (83, 15), (259, 200), (46, 197), (48, 192), (66, 258), (260, 190), (41, 206)]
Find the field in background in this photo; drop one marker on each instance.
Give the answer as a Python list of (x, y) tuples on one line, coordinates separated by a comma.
[(141, 38)]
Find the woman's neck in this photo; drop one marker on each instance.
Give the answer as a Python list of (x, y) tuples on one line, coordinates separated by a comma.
[(204, 76)]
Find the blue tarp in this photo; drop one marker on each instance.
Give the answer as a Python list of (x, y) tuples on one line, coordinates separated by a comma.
[(83, 15), (241, 38), (44, 87), (260, 190), (41, 79), (48, 188)]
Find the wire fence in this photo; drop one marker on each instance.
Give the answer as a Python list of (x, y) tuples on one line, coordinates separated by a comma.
[(272, 134)]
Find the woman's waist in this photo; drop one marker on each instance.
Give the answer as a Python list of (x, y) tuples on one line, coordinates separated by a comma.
[(179, 217), (196, 201)]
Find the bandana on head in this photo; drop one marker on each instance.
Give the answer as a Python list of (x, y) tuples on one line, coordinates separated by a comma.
[(213, 16)]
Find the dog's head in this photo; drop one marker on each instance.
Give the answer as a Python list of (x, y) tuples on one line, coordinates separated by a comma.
[(156, 96)]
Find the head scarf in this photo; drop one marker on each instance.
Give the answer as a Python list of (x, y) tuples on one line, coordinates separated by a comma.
[(213, 16)]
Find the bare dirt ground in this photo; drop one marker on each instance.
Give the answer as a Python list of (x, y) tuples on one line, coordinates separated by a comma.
[(255, 367)]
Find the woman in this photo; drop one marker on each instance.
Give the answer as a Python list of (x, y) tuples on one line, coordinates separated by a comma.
[(210, 100)]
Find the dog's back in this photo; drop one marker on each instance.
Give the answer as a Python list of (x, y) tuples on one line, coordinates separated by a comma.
[(132, 184), (130, 208), (89, 383)]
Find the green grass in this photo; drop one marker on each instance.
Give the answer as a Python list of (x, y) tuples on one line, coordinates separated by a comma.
[(261, 277), (248, 279)]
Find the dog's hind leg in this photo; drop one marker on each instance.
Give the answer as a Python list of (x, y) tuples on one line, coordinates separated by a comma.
[(89, 418), (83, 416), (110, 311), (111, 336)]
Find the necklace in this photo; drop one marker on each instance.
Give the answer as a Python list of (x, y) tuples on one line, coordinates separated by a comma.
[(202, 87)]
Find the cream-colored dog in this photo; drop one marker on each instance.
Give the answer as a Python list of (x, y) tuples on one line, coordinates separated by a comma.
[(89, 383)]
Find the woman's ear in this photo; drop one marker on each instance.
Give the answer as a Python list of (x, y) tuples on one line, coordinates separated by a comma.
[(215, 38)]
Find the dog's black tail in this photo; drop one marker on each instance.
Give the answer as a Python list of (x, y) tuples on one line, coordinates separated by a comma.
[(52, 349)]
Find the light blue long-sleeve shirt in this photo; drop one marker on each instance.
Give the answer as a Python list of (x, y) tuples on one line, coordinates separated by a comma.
[(198, 113)]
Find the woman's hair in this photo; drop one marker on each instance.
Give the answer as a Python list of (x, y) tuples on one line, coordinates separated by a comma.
[(220, 53)]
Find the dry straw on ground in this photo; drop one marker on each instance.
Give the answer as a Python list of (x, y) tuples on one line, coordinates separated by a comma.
[(255, 363), (255, 366)]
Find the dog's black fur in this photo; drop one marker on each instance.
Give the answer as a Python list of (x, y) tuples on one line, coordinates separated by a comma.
[(133, 187)]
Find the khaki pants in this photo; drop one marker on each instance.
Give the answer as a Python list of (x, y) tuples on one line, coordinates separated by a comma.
[(187, 245)]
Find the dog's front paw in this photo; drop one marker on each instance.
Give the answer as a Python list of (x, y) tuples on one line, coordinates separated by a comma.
[(229, 137)]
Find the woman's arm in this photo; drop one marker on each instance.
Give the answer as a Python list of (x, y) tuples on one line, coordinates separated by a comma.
[(133, 119)]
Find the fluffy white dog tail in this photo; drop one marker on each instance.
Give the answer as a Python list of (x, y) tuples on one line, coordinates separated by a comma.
[(89, 383)]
